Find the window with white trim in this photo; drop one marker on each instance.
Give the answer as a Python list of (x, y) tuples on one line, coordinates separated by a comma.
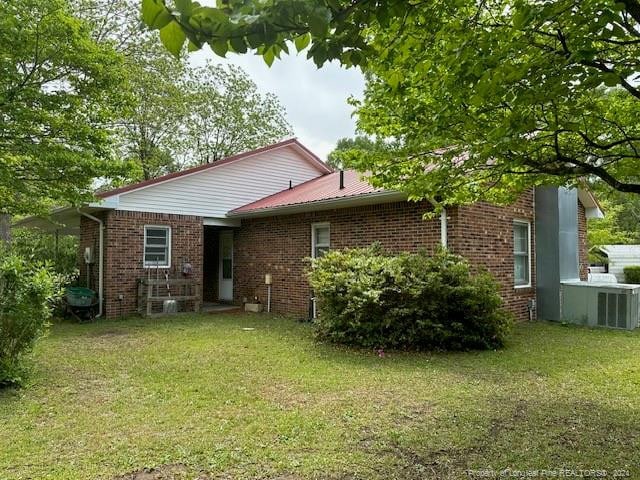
[(320, 239), (157, 246), (522, 253)]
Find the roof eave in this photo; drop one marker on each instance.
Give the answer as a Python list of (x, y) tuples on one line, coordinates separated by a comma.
[(327, 204), (65, 220), (590, 203)]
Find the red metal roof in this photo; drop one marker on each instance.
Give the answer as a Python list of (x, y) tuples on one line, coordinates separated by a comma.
[(322, 188), (313, 158)]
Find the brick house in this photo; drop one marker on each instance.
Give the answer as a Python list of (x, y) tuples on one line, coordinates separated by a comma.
[(265, 211)]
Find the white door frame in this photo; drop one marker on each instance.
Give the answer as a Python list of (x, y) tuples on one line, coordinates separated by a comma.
[(225, 286)]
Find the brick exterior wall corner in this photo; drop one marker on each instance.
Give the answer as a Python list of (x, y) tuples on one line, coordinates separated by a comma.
[(123, 255)]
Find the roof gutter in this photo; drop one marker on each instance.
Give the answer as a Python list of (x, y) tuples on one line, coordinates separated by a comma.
[(100, 258), (328, 204)]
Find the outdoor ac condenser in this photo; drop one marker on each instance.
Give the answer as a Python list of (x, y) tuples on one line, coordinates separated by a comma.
[(601, 304)]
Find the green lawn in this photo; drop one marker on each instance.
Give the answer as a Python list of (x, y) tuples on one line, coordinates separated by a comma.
[(255, 397)]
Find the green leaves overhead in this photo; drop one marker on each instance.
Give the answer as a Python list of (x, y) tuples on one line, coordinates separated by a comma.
[(489, 99), (302, 41), (155, 14), (269, 56), (219, 47), (173, 38), (331, 29)]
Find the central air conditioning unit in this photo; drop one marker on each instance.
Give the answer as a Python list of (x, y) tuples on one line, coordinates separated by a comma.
[(613, 305)]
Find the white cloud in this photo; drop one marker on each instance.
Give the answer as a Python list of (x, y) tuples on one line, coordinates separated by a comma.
[(315, 99)]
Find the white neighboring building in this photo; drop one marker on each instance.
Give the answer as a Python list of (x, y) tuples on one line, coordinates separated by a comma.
[(621, 256)]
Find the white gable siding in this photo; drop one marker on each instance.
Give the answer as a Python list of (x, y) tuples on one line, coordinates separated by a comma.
[(212, 193)]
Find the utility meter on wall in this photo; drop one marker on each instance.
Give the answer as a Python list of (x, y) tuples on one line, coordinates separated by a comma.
[(88, 255)]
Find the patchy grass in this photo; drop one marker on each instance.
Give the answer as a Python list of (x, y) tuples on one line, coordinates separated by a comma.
[(207, 396)]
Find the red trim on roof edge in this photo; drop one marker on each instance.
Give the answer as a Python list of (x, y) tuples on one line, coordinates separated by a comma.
[(292, 141)]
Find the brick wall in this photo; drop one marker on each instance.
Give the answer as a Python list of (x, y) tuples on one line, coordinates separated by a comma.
[(583, 246), (278, 245), (124, 245), (483, 233)]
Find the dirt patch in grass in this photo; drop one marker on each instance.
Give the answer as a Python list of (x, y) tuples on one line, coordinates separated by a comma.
[(108, 333), (424, 461), (164, 472), (285, 396), (180, 471)]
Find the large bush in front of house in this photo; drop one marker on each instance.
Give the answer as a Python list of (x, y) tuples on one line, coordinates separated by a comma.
[(27, 293), (632, 274), (369, 298)]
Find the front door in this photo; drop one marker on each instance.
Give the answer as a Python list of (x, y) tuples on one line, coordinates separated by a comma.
[(226, 266)]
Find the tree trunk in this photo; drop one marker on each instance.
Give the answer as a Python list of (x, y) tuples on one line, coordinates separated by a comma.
[(5, 228)]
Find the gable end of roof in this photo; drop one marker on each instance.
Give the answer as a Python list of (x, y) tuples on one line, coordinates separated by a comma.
[(307, 154)]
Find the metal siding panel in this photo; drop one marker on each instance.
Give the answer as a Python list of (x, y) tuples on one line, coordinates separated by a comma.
[(547, 254), (568, 234)]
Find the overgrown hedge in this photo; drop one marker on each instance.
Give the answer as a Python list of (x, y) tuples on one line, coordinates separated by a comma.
[(370, 298), (27, 292), (632, 274)]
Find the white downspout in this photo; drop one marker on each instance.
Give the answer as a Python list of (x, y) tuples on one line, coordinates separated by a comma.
[(443, 227), (443, 221), (100, 259)]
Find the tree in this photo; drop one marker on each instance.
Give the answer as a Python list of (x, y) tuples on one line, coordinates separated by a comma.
[(487, 98), (360, 144), (181, 115), (150, 134), (492, 100), (186, 116), (59, 89), (229, 115), (621, 224), (607, 230)]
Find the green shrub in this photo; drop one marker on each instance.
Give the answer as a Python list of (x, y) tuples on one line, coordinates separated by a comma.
[(27, 292), (369, 298), (39, 247), (632, 274)]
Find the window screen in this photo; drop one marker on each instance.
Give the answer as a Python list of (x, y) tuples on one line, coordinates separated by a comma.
[(157, 246), (321, 239)]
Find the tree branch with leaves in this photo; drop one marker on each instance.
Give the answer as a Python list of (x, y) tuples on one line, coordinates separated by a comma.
[(504, 94)]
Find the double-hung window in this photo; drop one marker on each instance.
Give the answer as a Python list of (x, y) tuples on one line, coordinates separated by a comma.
[(522, 253), (157, 246), (320, 239)]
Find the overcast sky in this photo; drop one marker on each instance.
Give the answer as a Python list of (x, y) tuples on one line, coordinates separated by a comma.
[(315, 99)]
